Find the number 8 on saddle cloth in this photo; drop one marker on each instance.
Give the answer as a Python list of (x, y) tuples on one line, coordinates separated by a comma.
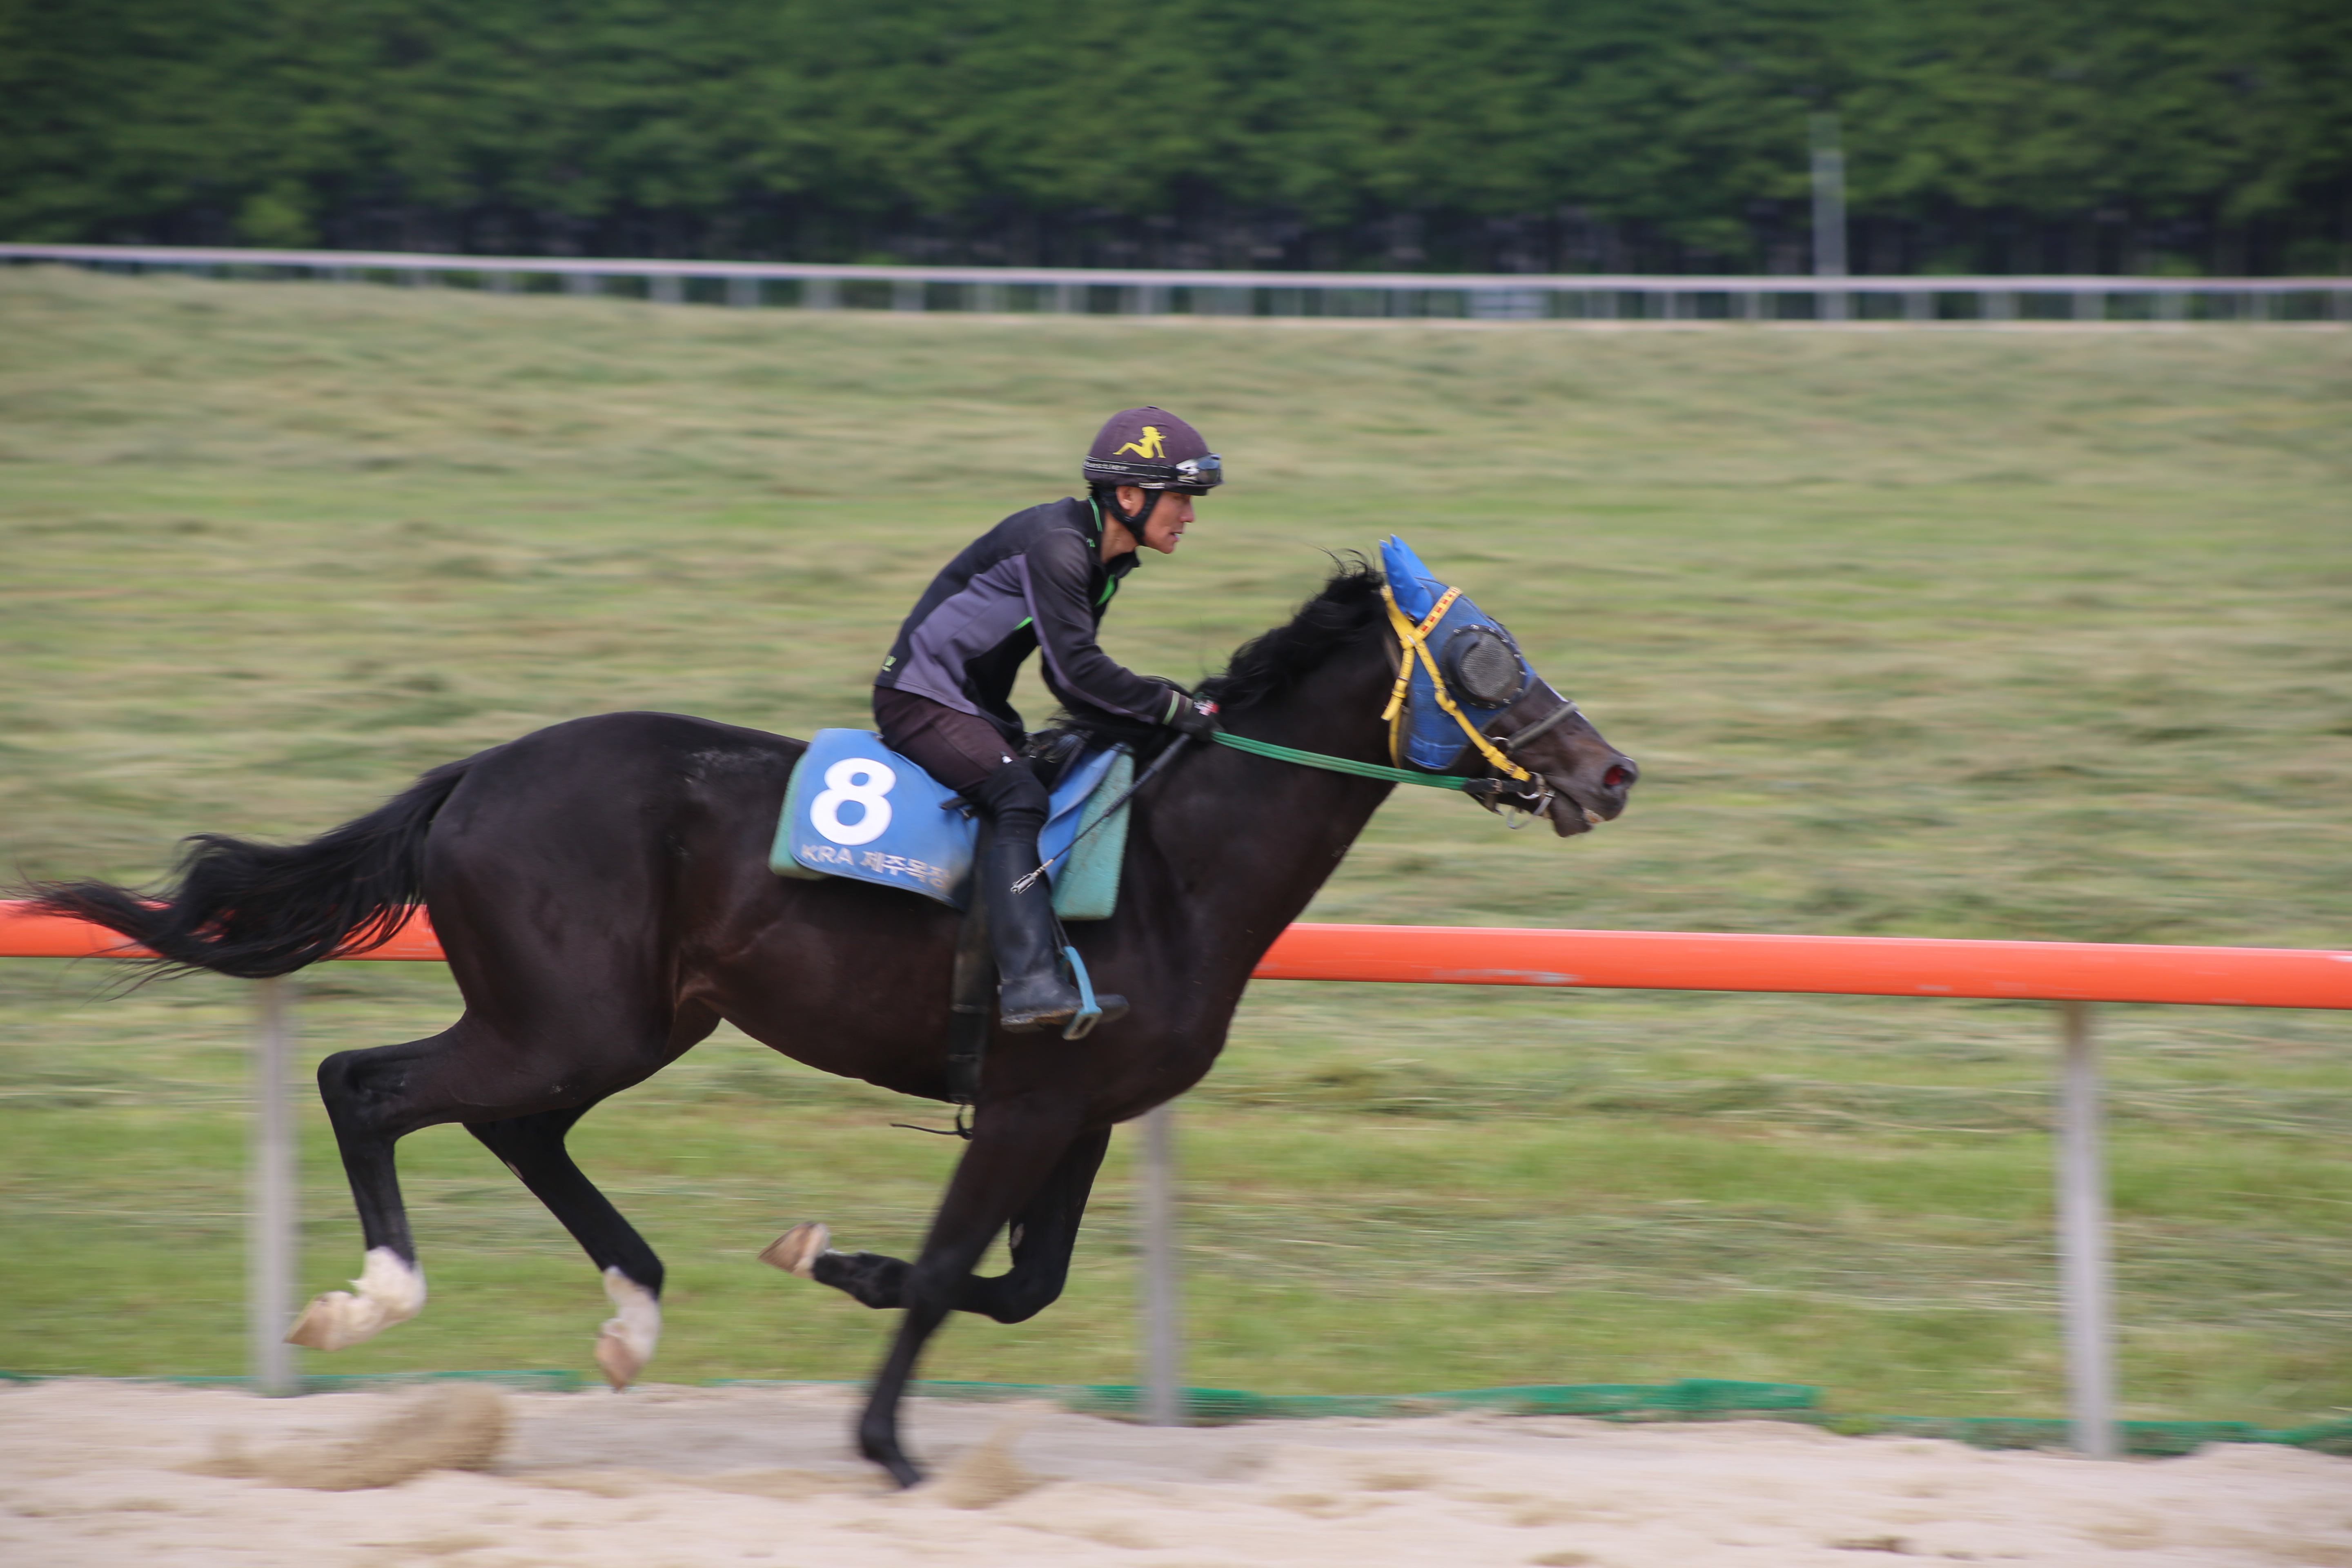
[(856, 808)]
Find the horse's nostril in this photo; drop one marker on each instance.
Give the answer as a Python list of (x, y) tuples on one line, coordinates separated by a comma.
[(1619, 775)]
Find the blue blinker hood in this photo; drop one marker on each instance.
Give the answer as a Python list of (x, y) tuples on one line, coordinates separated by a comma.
[(1427, 736)]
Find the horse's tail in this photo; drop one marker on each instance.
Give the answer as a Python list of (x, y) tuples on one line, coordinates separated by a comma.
[(256, 911)]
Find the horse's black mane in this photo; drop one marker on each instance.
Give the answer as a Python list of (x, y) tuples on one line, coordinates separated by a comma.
[(1272, 661)]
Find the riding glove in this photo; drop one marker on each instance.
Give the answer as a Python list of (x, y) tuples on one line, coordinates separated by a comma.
[(1193, 721)]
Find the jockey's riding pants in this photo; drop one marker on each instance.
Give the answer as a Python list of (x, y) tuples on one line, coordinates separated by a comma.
[(967, 754)]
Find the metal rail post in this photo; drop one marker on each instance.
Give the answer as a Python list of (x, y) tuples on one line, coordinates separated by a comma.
[(271, 1219), (1828, 215), (1162, 1325), (2085, 1283)]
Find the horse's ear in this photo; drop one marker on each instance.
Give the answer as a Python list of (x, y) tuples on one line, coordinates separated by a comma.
[(1416, 591)]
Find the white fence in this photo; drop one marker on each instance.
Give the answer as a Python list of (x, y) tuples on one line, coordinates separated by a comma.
[(1506, 297)]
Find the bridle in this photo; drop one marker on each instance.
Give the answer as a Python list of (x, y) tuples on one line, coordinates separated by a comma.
[(1534, 798), (1531, 798), (1524, 805)]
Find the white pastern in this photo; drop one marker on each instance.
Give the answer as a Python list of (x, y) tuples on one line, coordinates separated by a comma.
[(390, 1290), (628, 1340), (797, 1250)]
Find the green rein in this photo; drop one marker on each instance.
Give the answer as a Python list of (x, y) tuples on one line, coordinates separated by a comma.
[(1341, 764)]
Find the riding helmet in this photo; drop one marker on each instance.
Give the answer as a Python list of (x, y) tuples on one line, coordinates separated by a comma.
[(1152, 448)]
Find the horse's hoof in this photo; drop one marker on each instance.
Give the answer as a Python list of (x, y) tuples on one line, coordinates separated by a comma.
[(619, 1362), (390, 1290), (627, 1341), (797, 1250), (902, 1469), (329, 1322)]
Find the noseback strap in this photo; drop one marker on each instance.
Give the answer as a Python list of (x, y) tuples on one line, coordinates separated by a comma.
[(1541, 725)]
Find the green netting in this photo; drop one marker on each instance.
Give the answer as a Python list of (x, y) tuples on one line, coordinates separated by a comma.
[(1689, 1399), (1692, 1399), (2150, 1437)]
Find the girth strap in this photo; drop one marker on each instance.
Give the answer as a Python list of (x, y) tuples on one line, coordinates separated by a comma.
[(971, 995)]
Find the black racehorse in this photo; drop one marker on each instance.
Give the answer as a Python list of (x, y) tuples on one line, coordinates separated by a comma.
[(601, 890)]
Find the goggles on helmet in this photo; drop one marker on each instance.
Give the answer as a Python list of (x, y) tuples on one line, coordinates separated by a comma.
[(1194, 476), (1202, 473)]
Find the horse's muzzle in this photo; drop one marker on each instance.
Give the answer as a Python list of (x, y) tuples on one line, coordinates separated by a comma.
[(1584, 802)]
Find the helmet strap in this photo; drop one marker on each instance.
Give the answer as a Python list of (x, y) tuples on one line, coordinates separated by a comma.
[(1108, 502)]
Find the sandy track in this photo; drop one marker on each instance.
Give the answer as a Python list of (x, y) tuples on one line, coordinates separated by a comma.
[(93, 1474)]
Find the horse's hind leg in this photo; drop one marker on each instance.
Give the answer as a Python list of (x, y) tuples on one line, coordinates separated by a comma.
[(373, 1097), (468, 1072), (532, 1148)]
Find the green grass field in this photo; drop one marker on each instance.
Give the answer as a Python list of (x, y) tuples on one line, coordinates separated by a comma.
[(2035, 633)]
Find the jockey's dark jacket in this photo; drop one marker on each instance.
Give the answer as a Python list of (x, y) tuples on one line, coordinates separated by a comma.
[(1037, 580)]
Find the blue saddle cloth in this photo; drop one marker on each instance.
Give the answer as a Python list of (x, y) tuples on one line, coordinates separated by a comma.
[(856, 808)]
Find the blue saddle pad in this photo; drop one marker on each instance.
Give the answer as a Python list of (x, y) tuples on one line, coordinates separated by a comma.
[(856, 808)]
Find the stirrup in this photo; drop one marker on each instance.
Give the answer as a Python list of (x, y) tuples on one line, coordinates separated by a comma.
[(1074, 1023), (1092, 1009), (1089, 1012)]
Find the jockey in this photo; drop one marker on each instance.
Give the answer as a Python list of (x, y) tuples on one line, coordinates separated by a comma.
[(1040, 579)]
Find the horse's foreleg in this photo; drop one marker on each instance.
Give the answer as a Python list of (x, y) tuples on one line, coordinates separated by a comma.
[(532, 1148), (1014, 1152), (1044, 1233)]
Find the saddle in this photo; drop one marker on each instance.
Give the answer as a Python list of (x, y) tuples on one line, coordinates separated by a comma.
[(854, 808)]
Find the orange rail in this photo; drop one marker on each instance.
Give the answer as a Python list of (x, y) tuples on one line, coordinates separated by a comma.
[(27, 935), (1651, 960), (1851, 965)]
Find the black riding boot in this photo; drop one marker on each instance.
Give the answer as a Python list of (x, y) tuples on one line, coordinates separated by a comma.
[(1031, 990)]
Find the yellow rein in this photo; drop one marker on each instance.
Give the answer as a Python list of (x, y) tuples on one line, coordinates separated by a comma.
[(1414, 640)]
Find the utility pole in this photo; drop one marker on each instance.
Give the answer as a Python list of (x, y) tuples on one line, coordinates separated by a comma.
[(1828, 215)]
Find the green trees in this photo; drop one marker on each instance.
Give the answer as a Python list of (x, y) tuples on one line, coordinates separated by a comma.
[(1510, 135)]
